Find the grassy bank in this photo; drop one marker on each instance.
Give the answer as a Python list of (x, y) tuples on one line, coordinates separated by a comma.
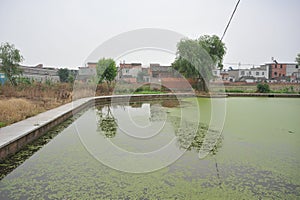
[(13, 110), (290, 88), (26, 100)]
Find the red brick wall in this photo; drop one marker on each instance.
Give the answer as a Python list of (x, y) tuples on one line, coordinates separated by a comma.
[(177, 84), (278, 70)]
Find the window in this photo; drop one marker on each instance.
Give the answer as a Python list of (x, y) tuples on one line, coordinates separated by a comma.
[(127, 71), (275, 73), (242, 73), (263, 73), (296, 66), (275, 66), (249, 72), (281, 66), (257, 73)]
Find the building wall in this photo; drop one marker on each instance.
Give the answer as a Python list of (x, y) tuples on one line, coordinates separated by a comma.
[(233, 75), (255, 72), (86, 73), (158, 71), (39, 73), (129, 71), (291, 68), (133, 72), (277, 70), (27, 70), (42, 78), (92, 64)]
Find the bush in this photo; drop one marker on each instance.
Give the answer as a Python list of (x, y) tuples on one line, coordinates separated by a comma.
[(263, 88), (2, 124)]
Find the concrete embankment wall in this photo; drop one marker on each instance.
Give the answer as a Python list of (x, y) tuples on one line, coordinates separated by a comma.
[(17, 135)]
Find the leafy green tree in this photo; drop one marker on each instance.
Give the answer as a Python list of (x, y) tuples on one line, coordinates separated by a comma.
[(298, 58), (263, 88), (214, 47), (71, 78), (106, 71), (10, 58), (196, 58), (63, 74)]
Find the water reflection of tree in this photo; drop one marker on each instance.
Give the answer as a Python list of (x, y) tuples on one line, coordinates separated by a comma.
[(158, 110), (107, 124), (157, 113), (191, 136), (202, 138)]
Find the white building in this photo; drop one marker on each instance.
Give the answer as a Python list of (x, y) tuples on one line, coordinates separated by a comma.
[(39, 73), (257, 73)]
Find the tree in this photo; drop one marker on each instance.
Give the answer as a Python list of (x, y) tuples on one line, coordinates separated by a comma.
[(298, 58), (106, 71), (263, 88), (71, 78), (196, 58), (63, 75), (214, 47), (10, 58)]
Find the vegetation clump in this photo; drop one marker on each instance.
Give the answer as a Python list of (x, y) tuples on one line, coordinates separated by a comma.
[(10, 58), (263, 88)]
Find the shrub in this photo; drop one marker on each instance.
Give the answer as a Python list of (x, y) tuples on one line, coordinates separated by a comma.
[(263, 88), (2, 124)]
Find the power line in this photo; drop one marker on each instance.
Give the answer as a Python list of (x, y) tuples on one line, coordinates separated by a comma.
[(230, 19)]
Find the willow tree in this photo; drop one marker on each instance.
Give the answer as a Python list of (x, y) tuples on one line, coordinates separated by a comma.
[(197, 58)]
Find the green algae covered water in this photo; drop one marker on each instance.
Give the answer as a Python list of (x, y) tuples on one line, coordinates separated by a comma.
[(256, 157)]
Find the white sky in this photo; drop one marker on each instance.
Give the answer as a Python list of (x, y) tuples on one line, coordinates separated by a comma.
[(63, 33)]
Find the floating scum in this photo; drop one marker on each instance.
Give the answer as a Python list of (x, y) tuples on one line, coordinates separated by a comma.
[(183, 125)]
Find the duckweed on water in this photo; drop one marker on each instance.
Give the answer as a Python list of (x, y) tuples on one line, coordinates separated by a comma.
[(9, 164), (248, 164)]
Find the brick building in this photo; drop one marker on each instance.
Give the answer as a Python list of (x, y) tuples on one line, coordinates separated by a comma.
[(128, 72), (282, 71)]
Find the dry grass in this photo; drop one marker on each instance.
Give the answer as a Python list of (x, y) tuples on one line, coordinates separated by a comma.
[(26, 100), (13, 110), (23, 101)]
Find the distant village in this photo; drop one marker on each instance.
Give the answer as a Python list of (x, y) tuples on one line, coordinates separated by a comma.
[(274, 72)]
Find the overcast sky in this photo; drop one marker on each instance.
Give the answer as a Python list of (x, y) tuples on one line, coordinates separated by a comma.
[(64, 33)]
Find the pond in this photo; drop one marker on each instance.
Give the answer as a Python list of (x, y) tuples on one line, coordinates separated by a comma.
[(255, 156)]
